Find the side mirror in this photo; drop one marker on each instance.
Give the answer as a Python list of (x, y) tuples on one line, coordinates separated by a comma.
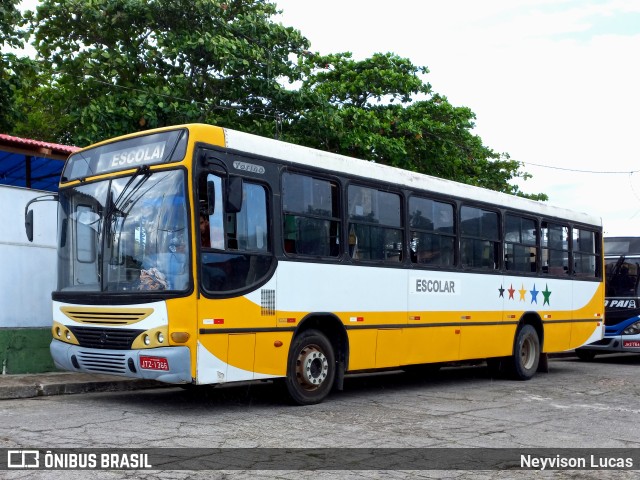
[(28, 225), (234, 195), (28, 214)]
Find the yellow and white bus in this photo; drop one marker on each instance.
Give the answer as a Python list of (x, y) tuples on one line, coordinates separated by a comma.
[(200, 255)]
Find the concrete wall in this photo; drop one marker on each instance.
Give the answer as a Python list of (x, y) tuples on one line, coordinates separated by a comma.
[(27, 278)]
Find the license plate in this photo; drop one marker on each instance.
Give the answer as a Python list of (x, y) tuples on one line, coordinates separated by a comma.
[(631, 343), (154, 363)]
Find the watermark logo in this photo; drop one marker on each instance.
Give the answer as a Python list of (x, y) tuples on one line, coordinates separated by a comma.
[(23, 459)]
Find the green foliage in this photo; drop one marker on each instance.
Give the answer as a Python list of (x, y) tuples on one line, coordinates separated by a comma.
[(382, 110), (110, 67), (130, 65), (11, 33), (12, 67)]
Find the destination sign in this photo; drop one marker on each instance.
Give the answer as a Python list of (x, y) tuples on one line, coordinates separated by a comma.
[(150, 149), (132, 157)]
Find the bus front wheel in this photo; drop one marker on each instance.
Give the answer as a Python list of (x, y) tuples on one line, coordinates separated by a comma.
[(311, 368), (526, 353)]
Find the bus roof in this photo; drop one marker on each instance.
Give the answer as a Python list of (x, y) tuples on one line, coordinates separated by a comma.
[(297, 154)]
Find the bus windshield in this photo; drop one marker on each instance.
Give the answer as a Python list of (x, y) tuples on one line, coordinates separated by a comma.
[(125, 234), (623, 275), (622, 279)]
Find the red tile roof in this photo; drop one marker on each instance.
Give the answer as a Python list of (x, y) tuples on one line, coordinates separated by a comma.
[(37, 146)]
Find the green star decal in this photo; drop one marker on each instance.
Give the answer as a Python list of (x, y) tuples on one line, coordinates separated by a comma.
[(547, 293)]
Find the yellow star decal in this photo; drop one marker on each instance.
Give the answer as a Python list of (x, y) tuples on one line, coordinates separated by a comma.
[(523, 292)]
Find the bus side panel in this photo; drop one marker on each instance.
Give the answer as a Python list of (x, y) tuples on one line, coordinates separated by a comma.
[(230, 354), (362, 349), (557, 336), (271, 359), (212, 358), (241, 355), (484, 341), (389, 347), (589, 306), (431, 344)]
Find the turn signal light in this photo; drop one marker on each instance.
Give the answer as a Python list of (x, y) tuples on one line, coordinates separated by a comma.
[(179, 337)]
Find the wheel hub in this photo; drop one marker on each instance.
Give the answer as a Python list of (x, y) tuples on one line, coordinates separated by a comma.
[(528, 353), (312, 367)]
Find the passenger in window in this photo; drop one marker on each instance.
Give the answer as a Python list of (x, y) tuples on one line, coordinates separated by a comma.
[(205, 235)]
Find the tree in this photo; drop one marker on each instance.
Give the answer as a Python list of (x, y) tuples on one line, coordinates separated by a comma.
[(381, 109), (110, 67), (13, 69), (125, 65)]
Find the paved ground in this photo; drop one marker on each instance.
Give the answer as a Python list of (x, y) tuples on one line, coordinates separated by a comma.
[(577, 404), (62, 383)]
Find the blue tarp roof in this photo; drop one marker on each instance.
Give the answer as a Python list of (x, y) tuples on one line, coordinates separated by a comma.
[(31, 163), (45, 172)]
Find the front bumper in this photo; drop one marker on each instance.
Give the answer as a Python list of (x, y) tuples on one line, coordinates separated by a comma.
[(615, 341), (123, 362), (615, 344)]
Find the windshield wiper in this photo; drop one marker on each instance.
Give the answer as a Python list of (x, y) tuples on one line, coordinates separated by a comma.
[(119, 203)]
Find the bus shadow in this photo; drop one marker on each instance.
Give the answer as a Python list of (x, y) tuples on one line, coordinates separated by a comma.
[(607, 358), (272, 394)]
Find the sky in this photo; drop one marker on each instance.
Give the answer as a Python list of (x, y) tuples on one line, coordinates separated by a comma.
[(553, 83)]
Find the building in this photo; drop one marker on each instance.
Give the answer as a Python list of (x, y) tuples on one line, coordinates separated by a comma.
[(28, 169)]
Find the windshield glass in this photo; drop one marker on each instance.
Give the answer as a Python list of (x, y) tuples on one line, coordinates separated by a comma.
[(125, 234), (623, 276)]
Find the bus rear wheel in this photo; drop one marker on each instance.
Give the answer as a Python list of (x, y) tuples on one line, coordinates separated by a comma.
[(526, 353), (311, 368)]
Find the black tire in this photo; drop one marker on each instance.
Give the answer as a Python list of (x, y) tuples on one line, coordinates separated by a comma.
[(526, 353), (311, 368), (585, 355)]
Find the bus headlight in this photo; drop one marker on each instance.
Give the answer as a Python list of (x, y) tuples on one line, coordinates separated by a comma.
[(67, 334), (58, 332), (147, 340), (632, 329), (160, 337)]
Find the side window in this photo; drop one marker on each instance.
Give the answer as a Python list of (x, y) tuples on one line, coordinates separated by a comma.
[(311, 216), (586, 256), (479, 240), (212, 224), (520, 238), (375, 225), (555, 248), (247, 229), (432, 232), (236, 251)]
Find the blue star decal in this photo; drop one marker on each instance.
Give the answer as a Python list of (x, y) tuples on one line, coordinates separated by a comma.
[(534, 294)]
